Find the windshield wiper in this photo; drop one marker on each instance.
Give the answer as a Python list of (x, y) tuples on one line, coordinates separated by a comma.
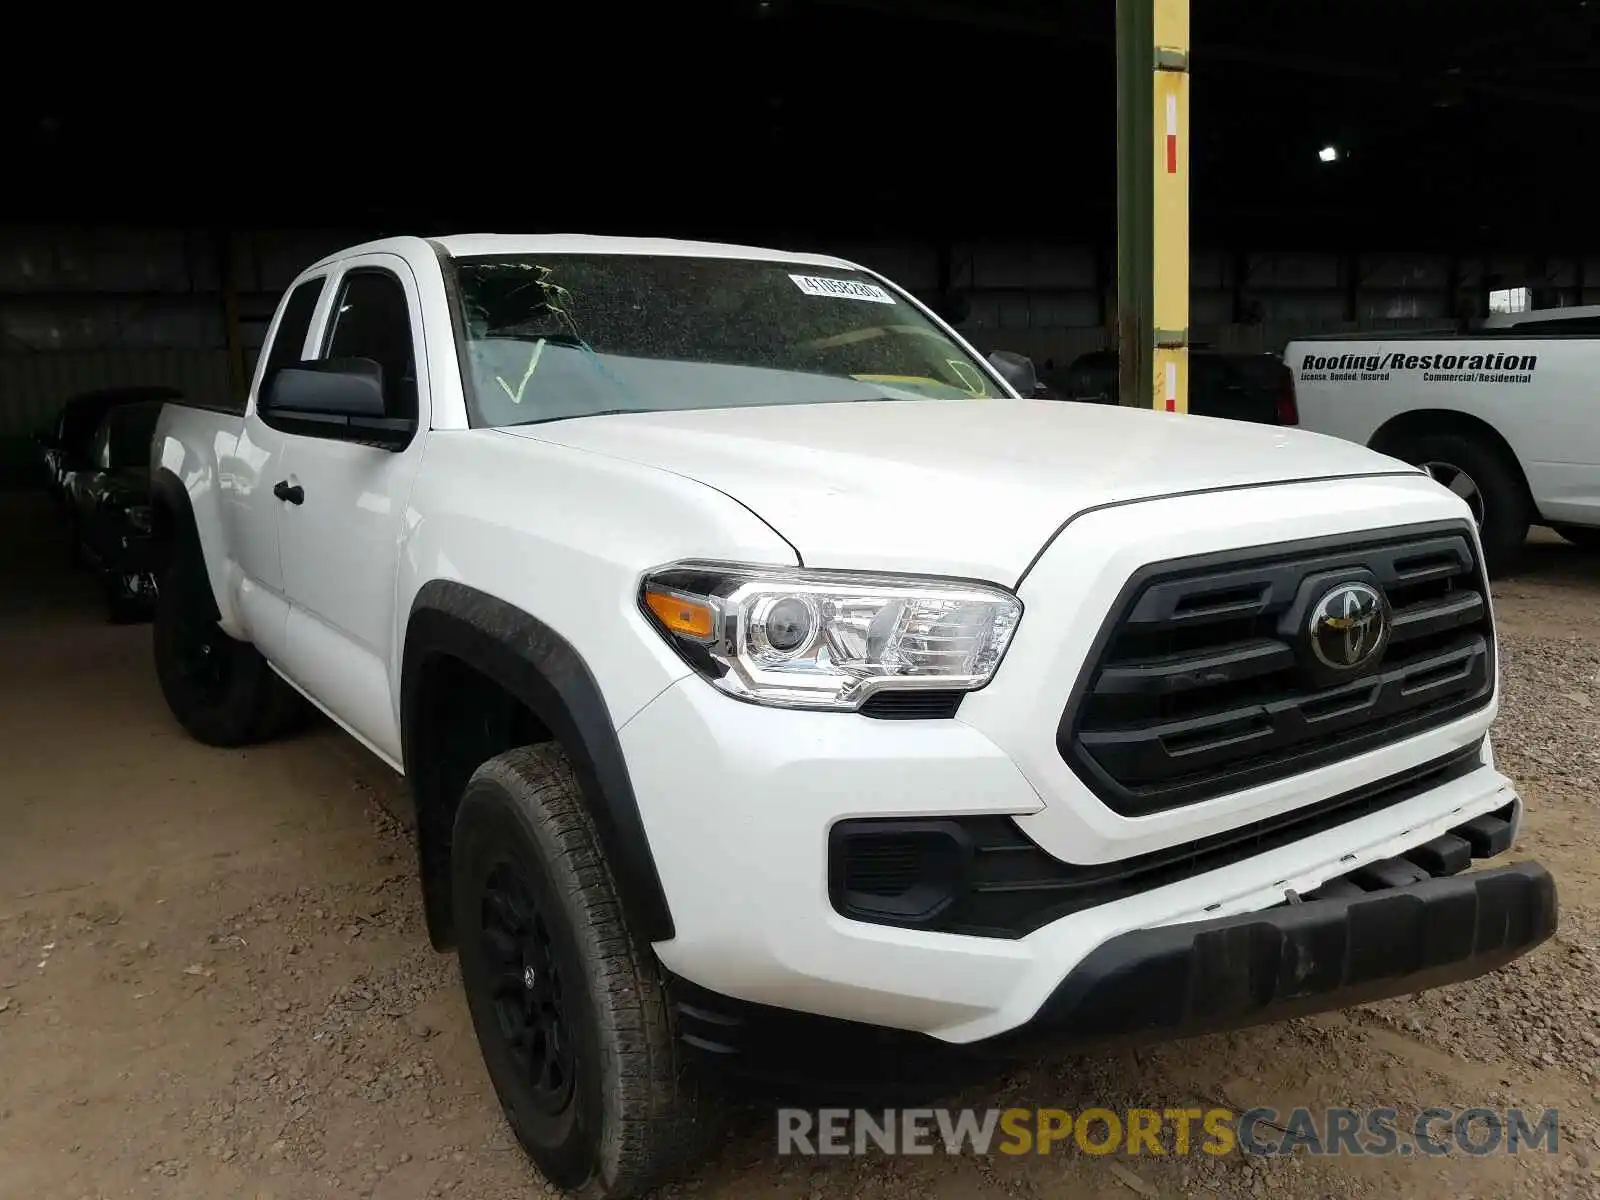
[(621, 412), (513, 334), (604, 412)]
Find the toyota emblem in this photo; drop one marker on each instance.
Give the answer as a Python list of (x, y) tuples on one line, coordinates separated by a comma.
[(1349, 626)]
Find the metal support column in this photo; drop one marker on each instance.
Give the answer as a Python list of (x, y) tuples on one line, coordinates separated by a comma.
[(1153, 203)]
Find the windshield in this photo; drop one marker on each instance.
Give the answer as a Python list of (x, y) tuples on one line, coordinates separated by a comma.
[(549, 337)]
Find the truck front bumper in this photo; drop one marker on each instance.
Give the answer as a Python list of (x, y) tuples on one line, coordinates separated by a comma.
[(1207, 976), (1153, 985), (741, 804)]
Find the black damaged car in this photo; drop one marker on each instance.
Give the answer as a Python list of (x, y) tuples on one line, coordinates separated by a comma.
[(108, 509), (65, 445)]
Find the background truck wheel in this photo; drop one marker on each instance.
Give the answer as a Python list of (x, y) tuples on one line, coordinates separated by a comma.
[(1478, 473), (221, 690), (1586, 536), (569, 1007)]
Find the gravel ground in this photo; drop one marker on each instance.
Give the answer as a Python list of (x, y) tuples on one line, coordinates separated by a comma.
[(214, 979)]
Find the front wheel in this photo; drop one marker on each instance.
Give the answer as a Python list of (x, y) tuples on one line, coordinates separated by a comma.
[(569, 1007), (220, 689)]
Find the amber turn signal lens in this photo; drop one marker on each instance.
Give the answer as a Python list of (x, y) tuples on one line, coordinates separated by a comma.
[(681, 615)]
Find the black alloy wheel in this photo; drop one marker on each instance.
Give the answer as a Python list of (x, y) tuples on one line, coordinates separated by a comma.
[(220, 689), (202, 654), (527, 982), (569, 1006)]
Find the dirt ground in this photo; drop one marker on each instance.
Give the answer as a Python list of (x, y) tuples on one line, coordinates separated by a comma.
[(214, 980)]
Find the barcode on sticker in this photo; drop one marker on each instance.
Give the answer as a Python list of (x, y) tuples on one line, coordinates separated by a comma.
[(847, 289)]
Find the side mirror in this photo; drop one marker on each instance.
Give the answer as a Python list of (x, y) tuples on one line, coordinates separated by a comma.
[(1017, 370), (338, 398)]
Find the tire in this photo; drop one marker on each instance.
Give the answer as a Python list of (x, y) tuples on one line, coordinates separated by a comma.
[(1586, 536), (1499, 499), (220, 689), (569, 1007)]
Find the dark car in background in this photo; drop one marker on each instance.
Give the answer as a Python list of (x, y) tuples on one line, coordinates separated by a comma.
[(1239, 387), (108, 508), (64, 447)]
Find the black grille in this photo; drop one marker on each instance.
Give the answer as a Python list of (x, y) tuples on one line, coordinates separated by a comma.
[(1200, 683)]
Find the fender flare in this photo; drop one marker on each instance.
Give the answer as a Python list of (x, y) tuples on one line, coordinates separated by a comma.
[(174, 511), (541, 669), (174, 528)]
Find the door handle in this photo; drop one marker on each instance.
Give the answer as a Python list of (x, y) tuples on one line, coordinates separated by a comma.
[(294, 494)]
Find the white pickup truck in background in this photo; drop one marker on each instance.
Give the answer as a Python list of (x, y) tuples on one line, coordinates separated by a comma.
[(1506, 416), (781, 691)]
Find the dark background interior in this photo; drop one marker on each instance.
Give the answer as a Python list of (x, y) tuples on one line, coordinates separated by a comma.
[(1468, 127)]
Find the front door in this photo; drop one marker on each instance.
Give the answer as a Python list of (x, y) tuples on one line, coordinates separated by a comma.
[(341, 542)]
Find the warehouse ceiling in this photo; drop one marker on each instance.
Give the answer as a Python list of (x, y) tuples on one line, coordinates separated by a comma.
[(1456, 126)]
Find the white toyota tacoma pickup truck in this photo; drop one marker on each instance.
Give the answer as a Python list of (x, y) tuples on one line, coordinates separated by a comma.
[(781, 691)]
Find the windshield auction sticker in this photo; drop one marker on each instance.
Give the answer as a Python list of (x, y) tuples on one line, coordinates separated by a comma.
[(845, 289)]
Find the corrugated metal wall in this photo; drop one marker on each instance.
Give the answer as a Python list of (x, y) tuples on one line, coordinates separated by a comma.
[(82, 309), (33, 386)]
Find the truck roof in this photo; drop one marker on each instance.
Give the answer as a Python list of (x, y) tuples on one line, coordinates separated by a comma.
[(1542, 316), (464, 245)]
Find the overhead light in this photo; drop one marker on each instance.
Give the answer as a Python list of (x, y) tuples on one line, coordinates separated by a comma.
[(1328, 153)]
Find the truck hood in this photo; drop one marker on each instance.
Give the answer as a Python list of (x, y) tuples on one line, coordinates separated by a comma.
[(972, 488)]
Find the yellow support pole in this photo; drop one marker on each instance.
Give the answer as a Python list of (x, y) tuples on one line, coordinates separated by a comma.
[(1171, 224), (1153, 203)]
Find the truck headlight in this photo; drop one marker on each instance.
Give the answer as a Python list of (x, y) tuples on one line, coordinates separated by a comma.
[(828, 639)]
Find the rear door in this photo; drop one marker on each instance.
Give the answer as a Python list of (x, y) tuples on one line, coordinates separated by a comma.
[(250, 510)]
